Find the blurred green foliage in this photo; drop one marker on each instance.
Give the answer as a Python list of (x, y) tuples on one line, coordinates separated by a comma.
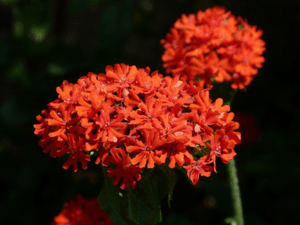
[(44, 42)]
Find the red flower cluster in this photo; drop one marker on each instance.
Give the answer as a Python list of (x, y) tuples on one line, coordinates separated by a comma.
[(213, 45), (134, 120), (82, 212)]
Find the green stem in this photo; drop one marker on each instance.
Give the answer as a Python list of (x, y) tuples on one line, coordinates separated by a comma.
[(235, 193), (233, 179)]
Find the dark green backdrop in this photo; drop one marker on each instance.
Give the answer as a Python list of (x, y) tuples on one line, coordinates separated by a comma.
[(44, 42)]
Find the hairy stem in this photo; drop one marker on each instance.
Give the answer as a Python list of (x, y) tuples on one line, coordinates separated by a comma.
[(235, 193)]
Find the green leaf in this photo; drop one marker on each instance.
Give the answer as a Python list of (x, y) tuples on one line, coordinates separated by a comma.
[(113, 193), (151, 191), (152, 220), (145, 213), (110, 202), (171, 176), (133, 202)]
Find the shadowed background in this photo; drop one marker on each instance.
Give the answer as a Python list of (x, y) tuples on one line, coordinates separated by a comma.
[(44, 42)]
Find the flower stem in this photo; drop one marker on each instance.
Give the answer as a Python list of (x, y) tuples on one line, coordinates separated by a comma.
[(235, 193)]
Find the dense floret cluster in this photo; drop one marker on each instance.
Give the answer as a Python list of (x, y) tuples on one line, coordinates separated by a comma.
[(82, 212), (213, 46), (134, 120)]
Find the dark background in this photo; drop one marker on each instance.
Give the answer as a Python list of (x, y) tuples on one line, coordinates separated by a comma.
[(44, 42)]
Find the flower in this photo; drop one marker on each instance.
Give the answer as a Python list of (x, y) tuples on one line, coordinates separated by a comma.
[(213, 45), (197, 168), (82, 212), (129, 173), (145, 150), (131, 119), (75, 147)]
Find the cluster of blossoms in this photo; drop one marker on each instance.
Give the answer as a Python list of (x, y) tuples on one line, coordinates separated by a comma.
[(82, 212), (134, 120), (213, 45)]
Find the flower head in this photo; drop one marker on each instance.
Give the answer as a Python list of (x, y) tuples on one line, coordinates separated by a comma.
[(213, 45), (82, 212), (131, 120)]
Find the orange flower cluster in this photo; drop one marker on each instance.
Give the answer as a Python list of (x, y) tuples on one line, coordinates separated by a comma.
[(213, 45), (133, 120), (82, 212)]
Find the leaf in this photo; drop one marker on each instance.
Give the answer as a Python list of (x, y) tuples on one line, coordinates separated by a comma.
[(109, 200), (145, 213), (162, 185), (145, 210), (112, 192), (171, 176), (151, 191), (152, 220), (134, 205)]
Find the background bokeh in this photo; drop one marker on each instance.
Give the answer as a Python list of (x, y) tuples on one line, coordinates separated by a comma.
[(43, 42)]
